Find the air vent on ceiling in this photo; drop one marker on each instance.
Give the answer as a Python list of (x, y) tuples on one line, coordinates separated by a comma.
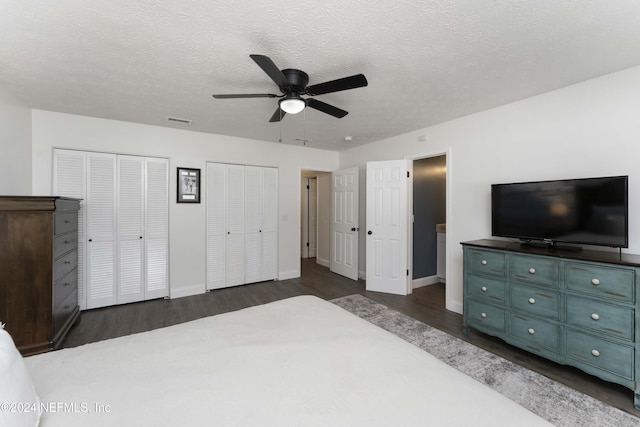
[(177, 120)]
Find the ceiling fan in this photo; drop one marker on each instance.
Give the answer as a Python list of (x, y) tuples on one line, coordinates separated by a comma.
[(293, 84)]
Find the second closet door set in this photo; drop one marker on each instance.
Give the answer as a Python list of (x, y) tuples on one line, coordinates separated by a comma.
[(242, 224)]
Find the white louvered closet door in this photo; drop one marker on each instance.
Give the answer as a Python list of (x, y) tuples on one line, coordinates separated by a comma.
[(101, 230), (253, 224), (156, 237), (216, 225), (235, 225), (69, 180), (269, 233), (130, 220)]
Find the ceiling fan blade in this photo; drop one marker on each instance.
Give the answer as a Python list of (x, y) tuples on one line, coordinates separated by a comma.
[(271, 69), (326, 108), (345, 83), (277, 116), (247, 95)]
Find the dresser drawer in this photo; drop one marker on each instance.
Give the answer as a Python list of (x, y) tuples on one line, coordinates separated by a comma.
[(602, 317), (538, 334), (63, 265), (62, 312), (605, 355), (486, 288), (605, 282), (64, 243), (483, 316), (63, 287), (486, 262), (65, 222), (539, 271), (538, 301)]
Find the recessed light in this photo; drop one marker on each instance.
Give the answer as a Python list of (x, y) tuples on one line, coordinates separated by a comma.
[(348, 138)]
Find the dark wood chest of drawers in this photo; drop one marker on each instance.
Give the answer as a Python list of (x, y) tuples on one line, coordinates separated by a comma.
[(38, 270)]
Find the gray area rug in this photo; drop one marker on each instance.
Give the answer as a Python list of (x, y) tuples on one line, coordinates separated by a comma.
[(555, 402)]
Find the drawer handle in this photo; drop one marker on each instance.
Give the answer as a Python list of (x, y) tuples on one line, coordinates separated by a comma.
[(596, 353), (67, 262), (66, 221), (532, 270), (483, 315), (595, 282), (484, 262), (66, 284), (484, 289), (66, 242), (595, 316), (532, 331), (532, 301)]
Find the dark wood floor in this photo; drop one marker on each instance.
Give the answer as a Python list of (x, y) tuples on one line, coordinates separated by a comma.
[(425, 304)]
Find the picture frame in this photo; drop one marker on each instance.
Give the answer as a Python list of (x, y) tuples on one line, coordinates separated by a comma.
[(188, 185)]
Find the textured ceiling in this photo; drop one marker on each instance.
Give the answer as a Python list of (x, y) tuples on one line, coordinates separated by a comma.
[(426, 61)]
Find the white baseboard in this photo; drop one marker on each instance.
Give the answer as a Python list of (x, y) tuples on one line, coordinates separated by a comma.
[(187, 291), (323, 262), (285, 275), (455, 306), (425, 281)]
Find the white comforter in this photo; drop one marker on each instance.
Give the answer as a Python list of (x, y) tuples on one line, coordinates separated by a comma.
[(296, 362)]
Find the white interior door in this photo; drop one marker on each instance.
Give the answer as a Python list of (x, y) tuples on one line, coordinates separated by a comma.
[(253, 224), (216, 225), (156, 236), (388, 226), (69, 179), (101, 230), (235, 225), (344, 222), (269, 230), (130, 220)]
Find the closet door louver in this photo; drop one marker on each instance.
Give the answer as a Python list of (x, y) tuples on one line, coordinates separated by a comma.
[(69, 179), (216, 225), (101, 226), (130, 229), (157, 228), (269, 224), (235, 225), (253, 224)]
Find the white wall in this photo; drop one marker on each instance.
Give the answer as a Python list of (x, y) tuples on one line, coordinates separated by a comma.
[(184, 149), (585, 130), (15, 145)]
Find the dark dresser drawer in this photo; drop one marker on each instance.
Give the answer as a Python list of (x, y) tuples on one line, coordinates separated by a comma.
[(63, 265), (606, 318), (607, 356), (538, 301), (63, 287), (537, 333), (612, 283), (65, 222), (484, 315), (64, 243), (62, 312), (486, 288), (539, 271), (486, 262)]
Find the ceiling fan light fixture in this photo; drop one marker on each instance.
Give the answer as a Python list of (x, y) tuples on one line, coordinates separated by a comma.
[(292, 104)]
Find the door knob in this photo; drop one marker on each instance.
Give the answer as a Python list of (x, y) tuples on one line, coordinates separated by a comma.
[(353, 229), (369, 232)]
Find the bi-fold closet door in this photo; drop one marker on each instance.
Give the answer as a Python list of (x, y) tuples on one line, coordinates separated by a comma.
[(242, 224), (123, 225)]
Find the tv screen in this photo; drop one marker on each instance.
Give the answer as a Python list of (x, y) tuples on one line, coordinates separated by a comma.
[(590, 211)]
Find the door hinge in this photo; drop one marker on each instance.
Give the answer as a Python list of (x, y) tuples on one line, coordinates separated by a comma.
[(308, 187), (407, 272), (307, 244), (407, 174)]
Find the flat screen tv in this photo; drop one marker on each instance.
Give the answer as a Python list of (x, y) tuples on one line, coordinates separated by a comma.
[(590, 211)]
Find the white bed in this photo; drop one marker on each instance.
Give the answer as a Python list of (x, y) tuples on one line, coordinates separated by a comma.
[(296, 362)]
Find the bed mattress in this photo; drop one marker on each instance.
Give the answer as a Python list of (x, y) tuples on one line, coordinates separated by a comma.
[(295, 362)]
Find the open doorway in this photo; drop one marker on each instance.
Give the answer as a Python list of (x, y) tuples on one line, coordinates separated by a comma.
[(315, 212)]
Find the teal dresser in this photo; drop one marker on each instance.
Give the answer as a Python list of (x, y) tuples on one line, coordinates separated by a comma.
[(575, 308)]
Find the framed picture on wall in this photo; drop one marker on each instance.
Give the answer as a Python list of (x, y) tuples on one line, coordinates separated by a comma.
[(188, 185)]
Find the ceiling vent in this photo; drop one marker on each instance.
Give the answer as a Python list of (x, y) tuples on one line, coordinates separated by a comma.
[(177, 120)]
